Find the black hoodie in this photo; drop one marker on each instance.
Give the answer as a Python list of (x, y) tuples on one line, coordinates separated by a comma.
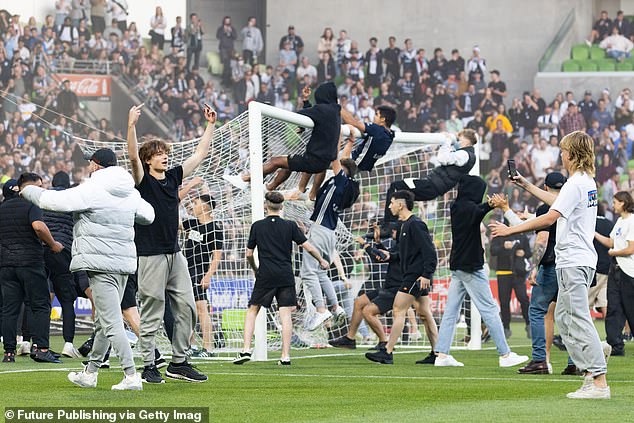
[(467, 253), (327, 118)]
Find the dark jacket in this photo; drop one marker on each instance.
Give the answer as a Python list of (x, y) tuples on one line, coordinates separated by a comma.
[(327, 119), (446, 177), (416, 251), (467, 253), (19, 245)]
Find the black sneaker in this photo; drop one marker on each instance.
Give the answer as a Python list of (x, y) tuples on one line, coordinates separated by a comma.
[(344, 342), (86, 347), (9, 357), (559, 343), (151, 375), (184, 371), (44, 357), (242, 358), (159, 360), (283, 362), (430, 359), (572, 370), (378, 347), (534, 368), (381, 356)]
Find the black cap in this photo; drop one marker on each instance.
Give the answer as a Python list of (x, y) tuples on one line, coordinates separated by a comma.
[(588, 92), (555, 180), (10, 189), (61, 180), (104, 157)]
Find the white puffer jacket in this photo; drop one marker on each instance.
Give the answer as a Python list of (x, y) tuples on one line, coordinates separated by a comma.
[(105, 208)]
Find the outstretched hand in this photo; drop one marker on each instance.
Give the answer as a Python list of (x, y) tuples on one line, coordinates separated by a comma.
[(498, 201), (519, 180), (210, 114), (134, 114), (499, 229), (306, 91)]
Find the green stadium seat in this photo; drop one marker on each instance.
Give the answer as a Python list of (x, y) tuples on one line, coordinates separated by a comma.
[(587, 66), (624, 66), (605, 66), (597, 53), (214, 63), (580, 52), (570, 66)]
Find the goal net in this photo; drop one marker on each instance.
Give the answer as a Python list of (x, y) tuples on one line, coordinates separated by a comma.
[(242, 145)]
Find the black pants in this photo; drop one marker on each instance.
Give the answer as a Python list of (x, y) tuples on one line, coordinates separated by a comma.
[(506, 284), (57, 266), (20, 284), (423, 190), (249, 58), (157, 39), (620, 306), (195, 52), (225, 58)]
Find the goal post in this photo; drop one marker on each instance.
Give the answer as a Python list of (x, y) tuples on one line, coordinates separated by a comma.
[(258, 111)]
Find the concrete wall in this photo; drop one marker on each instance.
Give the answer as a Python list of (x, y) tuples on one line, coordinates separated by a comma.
[(512, 35)]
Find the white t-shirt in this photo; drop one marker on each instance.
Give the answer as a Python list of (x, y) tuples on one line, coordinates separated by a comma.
[(623, 232), (542, 160), (577, 203)]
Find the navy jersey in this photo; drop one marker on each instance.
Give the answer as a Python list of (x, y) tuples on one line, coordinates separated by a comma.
[(328, 202), (376, 142)]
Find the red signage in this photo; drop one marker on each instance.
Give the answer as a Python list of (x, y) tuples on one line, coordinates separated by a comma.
[(88, 87)]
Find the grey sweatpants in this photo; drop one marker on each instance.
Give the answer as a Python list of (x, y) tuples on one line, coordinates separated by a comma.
[(313, 277), (572, 316), (160, 275), (107, 292)]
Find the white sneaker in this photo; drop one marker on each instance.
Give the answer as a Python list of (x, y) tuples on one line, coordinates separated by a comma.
[(588, 43), (339, 317), (84, 379), (129, 383), (550, 368), (24, 348), (236, 181), (318, 319), (590, 391), (447, 361), (69, 350), (416, 336), (607, 350), (512, 359)]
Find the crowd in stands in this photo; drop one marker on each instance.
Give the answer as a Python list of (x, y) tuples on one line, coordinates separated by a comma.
[(432, 93)]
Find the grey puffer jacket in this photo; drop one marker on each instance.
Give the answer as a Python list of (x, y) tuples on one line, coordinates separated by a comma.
[(105, 208)]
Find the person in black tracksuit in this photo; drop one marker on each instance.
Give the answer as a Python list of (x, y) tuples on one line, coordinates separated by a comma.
[(57, 266), (511, 272), (418, 258), (453, 165)]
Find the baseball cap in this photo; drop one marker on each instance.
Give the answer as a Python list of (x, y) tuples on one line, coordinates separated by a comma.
[(555, 180), (10, 189), (104, 157), (588, 92)]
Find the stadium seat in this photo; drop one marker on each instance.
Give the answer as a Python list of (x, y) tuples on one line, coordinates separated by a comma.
[(597, 53), (214, 63), (624, 66), (605, 65), (570, 66), (580, 52), (587, 66)]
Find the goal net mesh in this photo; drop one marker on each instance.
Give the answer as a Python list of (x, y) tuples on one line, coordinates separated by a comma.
[(231, 285)]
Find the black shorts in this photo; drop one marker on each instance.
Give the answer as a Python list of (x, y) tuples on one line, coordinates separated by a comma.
[(200, 293), (308, 164), (129, 295), (413, 288), (382, 298), (81, 283), (263, 296)]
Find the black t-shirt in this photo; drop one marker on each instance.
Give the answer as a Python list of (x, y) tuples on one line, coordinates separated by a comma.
[(161, 237), (201, 240), (549, 254), (19, 244), (604, 227), (274, 236), (499, 86)]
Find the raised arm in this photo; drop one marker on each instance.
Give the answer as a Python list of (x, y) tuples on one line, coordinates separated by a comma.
[(348, 118), (347, 150), (545, 196), (133, 147), (336, 164), (202, 150)]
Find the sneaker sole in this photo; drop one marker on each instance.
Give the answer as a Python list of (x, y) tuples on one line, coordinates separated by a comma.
[(534, 372), (347, 347), (129, 388), (242, 360), (153, 383), (81, 385), (176, 376)]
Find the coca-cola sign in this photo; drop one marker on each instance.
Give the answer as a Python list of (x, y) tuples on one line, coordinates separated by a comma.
[(88, 87)]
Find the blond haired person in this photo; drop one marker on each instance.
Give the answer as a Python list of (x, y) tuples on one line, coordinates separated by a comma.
[(575, 211)]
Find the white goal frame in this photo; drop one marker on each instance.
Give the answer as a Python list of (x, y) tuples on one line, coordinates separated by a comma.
[(256, 112)]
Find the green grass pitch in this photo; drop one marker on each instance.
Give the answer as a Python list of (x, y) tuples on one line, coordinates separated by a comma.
[(341, 385)]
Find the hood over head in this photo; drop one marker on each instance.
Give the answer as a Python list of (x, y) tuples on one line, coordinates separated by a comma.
[(326, 93), (471, 188), (115, 180)]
